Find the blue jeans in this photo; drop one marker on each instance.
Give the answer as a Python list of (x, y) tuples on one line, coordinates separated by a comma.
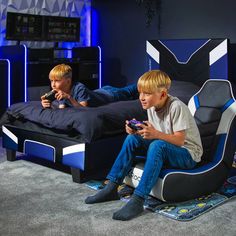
[(157, 153), (129, 92)]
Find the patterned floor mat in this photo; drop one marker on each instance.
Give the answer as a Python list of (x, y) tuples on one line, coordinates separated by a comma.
[(181, 211)]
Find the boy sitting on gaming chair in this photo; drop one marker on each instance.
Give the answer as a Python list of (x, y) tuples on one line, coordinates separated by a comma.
[(170, 136)]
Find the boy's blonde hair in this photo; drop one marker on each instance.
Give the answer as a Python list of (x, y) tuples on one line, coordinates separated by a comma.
[(61, 71), (153, 81)]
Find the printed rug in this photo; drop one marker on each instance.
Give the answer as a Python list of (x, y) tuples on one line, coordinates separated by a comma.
[(181, 211)]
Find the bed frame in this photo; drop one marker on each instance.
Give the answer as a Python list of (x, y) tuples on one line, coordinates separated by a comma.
[(86, 160)]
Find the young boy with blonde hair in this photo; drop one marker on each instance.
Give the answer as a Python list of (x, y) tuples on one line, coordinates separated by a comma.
[(170, 137), (77, 94)]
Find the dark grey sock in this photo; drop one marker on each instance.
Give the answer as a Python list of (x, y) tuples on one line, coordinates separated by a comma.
[(108, 193), (133, 208)]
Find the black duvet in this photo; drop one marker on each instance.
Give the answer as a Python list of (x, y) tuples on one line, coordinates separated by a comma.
[(91, 123)]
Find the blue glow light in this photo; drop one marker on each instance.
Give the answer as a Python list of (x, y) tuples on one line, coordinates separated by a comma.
[(100, 67), (88, 26), (25, 73), (94, 27), (8, 82), (94, 39)]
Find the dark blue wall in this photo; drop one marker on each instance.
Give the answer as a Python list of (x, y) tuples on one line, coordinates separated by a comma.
[(123, 31)]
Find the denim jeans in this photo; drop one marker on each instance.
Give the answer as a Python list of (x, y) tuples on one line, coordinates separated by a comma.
[(122, 94), (158, 152)]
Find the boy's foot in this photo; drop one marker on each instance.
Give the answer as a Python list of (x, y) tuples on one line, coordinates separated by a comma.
[(108, 193), (133, 208)]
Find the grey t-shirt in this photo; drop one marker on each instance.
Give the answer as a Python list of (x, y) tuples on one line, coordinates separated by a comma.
[(175, 116)]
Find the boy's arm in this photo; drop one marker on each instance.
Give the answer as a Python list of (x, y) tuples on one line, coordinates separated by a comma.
[(62, 95), (149, 132), (177, 138), (77, 104)]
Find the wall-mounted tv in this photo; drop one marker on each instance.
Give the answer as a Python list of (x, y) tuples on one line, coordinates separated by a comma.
[(24, 26), (29, 27)]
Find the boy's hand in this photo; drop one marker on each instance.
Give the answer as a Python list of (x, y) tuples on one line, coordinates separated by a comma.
[(147, 131), (62, 95), (45, 103), (128, 129)]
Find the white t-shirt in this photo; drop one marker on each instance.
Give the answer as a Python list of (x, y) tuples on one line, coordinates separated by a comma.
[(175, 116)]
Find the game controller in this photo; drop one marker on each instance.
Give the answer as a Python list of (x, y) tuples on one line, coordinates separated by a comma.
[(133, 124), (50, 95)]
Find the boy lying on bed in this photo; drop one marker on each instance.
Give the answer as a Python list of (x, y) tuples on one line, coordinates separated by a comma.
[(77, 94)]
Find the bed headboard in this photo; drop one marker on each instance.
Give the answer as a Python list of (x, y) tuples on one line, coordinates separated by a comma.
[(192, 60)]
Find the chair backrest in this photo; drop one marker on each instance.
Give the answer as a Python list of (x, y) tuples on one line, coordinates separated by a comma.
[(214, 109)]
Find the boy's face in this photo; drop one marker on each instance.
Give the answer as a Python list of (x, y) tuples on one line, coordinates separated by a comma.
[(60, 83), (156, 99)]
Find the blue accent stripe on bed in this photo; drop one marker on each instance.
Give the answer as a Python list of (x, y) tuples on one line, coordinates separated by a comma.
[(76, 160), (39, 150), (8, 143), (219, 70), (74, 156), (152, 64)]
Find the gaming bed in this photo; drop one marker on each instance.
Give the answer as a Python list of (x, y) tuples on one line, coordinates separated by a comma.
[(89, 139), (86, 139)]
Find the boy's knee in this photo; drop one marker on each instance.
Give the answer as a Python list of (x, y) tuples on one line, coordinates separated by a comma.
[(158, 144), (132, 139)]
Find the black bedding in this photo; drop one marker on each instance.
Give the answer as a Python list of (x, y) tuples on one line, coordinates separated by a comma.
[(88, 123)]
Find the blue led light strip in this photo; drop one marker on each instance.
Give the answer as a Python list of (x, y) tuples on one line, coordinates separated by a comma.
[(8, 82), (25, 73), (94, 27), (100, 66)]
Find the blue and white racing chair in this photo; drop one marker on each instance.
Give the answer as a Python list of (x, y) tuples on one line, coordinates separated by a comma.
[(214, 109)]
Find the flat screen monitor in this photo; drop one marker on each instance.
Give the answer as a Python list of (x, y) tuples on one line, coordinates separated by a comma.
[(30, 27), (24, 27), (62, 28)]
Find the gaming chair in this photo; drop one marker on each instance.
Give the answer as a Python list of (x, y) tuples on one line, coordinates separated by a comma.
[(214, 109)]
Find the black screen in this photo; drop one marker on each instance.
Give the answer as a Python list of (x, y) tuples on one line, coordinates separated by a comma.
[(29, 27)]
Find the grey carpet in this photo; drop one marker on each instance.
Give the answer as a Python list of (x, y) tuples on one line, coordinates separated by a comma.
[(37, 200)]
